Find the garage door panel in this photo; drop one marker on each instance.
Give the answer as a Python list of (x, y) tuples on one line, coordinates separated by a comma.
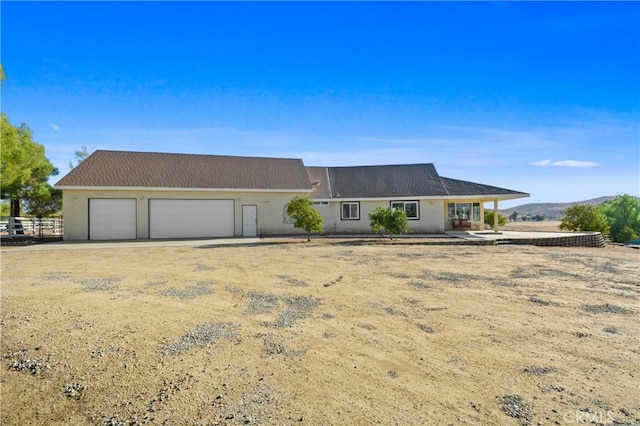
[(112, 218), (190, 218)]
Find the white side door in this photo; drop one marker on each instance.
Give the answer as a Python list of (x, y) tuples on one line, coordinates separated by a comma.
[(249, 221)]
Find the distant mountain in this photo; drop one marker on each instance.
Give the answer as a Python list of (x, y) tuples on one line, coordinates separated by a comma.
[(551, 211)]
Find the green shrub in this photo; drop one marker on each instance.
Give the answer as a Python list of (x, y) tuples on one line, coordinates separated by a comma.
[(584, 218), (392, 221)]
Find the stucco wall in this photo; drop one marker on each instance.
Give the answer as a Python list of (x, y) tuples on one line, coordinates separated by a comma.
[(431, 217), (270, 209)]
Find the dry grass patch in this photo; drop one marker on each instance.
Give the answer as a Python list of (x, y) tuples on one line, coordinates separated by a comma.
[(330, 332)]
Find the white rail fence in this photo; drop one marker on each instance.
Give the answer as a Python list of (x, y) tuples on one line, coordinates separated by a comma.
[(18, 227)]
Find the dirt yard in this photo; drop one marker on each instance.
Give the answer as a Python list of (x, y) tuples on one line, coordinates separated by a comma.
[(331, 332), (543, 226)]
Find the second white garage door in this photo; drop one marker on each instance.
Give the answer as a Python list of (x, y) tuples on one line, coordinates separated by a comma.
[(190, 218)]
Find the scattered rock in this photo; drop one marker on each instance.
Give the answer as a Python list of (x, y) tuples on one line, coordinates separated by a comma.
[(261, 303), (200, 289), (202, 336), (533, 370), (391, 311), (293, 281), (257, 404), (514, 406), (298, 307), (425, 328), (273, 346), (607, 308), (542, 302), (21, 361), (201, 267), (75, 390), (552, 388), (420, 285), (337, 280), (99, 284)]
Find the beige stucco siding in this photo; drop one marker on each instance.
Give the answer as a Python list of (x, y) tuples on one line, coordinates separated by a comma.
[(431, 216), (270, 208)]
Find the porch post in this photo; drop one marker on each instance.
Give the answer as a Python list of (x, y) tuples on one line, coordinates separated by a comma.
[(495, 215)]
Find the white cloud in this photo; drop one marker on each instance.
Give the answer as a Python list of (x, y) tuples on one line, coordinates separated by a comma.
[(563, 163), (54, 126), (574, 163), (542, 163)]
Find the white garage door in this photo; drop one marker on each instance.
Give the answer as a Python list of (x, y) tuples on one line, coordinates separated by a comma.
[(190, 218), (112, 218)]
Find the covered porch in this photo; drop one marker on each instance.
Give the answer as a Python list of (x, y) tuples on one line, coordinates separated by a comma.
[(469, 214)]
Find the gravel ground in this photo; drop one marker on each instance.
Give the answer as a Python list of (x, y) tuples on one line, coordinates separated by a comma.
[(202, 336)]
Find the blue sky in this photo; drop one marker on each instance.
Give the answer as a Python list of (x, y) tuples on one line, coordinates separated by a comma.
[(539, 97)]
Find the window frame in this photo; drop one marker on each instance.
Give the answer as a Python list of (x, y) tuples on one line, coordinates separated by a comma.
[(350, 203), (475, 211), (404, 207)]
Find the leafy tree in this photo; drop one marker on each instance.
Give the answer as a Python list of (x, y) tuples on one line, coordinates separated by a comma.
[(393, 221), (513, 217), (488, 219), (623, 217), (43, 200), (4, 208), (23, 164), (80, 155), (584, 218), (539, 218), (304, 216)]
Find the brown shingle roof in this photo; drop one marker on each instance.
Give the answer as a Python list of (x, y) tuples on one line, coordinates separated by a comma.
[(407, 180), (162, 170), (319, 178), (385, 181), (461, 187)]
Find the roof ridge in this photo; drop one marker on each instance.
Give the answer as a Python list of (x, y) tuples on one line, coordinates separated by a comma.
[(379, 165), (183, 154)]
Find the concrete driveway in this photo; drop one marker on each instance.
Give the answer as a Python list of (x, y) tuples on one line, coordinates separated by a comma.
[(92, 245)]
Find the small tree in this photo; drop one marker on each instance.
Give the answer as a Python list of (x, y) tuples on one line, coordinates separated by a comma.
[(488, 219), (623, 216), (393, 221), (584, 218), (304, 216)]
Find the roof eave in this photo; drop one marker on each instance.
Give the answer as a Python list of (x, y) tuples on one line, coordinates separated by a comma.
[(489, 197), (143, 188)]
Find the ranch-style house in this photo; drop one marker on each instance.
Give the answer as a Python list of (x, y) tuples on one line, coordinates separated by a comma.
[(117, 195)]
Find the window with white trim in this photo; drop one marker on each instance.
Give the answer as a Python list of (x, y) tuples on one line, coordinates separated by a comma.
[(411, 208), (350, 211)]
